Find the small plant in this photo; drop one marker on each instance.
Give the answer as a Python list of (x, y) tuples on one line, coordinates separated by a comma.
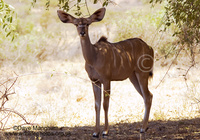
[(6, 90), (7, 24)]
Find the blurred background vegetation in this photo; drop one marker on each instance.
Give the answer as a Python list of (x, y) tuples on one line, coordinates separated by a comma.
[(31, 31)]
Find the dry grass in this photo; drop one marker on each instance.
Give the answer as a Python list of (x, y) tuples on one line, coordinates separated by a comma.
[(61, 95)]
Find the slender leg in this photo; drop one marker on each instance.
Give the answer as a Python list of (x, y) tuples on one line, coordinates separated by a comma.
[(147, 96), (97, 97), (106, 105)]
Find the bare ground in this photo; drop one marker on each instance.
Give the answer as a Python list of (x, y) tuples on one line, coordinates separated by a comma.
[(158, 130)]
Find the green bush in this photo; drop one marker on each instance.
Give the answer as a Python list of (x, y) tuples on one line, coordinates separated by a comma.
[(7, 24), (33, 36)]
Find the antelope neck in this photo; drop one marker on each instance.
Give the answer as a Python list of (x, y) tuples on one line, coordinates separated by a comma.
[(88, 50)]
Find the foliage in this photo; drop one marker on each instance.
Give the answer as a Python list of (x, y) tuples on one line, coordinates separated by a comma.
[(7, 24), (76, 6), (30, 44), (184, 15)]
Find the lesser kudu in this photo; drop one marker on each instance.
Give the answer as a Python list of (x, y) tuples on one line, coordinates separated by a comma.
[(106, 62)]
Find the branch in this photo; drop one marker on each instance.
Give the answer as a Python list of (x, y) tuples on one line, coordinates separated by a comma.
[(18, 114), (4, 99), (6, 92), (87, 7), (197, 100), (169, 67), (15, 112)]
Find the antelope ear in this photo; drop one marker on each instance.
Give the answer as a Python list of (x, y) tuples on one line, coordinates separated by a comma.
[(64, 17), (98, 15)]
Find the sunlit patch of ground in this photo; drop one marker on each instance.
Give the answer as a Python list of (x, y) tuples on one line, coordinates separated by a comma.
[(61, 95)]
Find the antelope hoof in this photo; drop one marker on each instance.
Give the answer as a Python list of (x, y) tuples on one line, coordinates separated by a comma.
[(105, 133), (96, 135), (143, 130)]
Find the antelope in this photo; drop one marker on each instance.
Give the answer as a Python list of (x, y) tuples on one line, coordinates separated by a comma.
[(106, 62)]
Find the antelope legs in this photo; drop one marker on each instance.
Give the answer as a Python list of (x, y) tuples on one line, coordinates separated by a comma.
[(140, 81), (106, 94), (97, 96)]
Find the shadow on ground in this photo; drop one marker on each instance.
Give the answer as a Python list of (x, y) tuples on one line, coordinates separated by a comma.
[(158, 130)]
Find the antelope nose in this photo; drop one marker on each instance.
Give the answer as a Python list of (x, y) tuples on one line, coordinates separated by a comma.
[(82, 33)]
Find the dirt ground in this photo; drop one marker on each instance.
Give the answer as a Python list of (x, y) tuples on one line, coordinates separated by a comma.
[(158, 130)]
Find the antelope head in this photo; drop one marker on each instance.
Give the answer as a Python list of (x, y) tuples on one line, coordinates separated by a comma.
[(82, 24)]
